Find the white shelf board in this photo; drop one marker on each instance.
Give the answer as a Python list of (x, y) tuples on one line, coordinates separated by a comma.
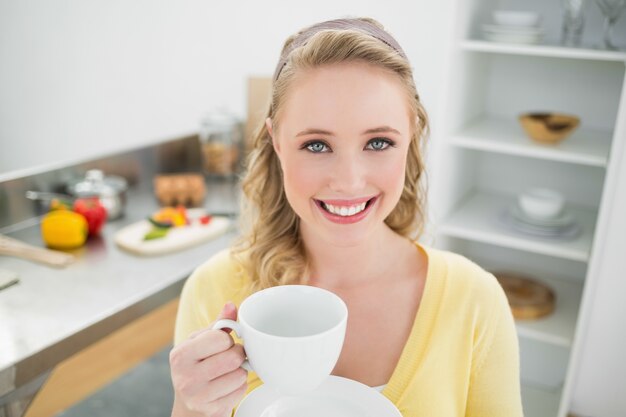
[(494, 134), (538, 402), (559, 327), (477, 218), (547, 50)]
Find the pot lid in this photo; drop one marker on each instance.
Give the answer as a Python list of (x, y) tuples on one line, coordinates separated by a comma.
[(96, 183)]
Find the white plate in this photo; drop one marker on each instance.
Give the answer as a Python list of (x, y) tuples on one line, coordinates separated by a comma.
[(513, 38), (506, 29), (567, 232), (509, 34), (336, 397)]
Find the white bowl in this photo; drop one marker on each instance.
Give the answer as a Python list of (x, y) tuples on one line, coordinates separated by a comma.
[(541, 203), (516, 18)]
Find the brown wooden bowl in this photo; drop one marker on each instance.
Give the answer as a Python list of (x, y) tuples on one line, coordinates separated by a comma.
[(548, 127)]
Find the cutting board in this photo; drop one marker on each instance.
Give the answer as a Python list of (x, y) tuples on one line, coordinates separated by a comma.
[(131, 237), (528, 298)]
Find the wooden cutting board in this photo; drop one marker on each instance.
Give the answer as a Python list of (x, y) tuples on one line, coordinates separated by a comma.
[(528, 298), (131, 237)]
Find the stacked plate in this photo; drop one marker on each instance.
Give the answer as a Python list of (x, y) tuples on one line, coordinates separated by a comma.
[(514, 27), (563, 226)]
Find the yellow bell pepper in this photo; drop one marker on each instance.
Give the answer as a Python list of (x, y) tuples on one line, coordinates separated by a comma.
[(64, 229), (170, 217)]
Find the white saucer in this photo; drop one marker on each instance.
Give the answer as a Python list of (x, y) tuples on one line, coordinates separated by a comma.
[(336, 397), (527, 30), (512, 38)]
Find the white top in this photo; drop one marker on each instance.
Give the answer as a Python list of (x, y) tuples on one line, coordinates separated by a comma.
[(380, 388)]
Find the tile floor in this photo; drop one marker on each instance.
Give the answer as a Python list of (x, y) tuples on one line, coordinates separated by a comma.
[(144, 391)]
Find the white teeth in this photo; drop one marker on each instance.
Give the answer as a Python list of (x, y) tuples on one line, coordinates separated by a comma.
[(343, 210)]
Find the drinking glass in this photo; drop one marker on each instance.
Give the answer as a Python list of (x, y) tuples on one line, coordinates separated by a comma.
[(573, 22), (612, 10)]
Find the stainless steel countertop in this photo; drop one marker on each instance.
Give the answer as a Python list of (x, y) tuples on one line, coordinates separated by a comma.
[(53, 313)]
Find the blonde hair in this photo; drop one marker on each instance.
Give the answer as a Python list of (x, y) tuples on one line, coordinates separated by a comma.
[(271, 250)]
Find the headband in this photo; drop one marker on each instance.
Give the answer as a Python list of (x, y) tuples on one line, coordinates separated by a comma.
[(339, 24)]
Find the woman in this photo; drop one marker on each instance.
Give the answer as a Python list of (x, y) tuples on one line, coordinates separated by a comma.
[(334, 199)]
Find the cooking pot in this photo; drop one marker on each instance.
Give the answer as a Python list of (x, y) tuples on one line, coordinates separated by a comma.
[(110, 190)]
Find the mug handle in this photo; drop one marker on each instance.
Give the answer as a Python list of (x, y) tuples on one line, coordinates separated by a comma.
[(231, 324)]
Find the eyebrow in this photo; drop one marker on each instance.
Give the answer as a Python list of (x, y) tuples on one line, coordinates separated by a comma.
[(380, 129)]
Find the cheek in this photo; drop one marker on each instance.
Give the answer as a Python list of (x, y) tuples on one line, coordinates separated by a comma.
[(301, 181), (391, 176)]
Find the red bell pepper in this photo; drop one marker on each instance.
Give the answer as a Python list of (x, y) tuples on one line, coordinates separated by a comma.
[(93, 211)]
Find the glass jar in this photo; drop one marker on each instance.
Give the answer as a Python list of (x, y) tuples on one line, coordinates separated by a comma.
[(220, 141)]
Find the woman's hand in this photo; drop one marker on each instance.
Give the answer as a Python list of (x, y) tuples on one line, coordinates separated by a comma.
[(206, 372)]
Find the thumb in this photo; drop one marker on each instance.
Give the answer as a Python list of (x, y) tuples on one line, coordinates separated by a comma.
[(229, 311)]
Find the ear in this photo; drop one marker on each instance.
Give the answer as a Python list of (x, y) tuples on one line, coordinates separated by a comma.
[(270, 129)]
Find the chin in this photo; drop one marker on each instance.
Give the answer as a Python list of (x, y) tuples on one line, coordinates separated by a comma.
[(348, 236)]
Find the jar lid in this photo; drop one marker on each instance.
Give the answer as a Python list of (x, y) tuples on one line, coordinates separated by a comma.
[(218, 121), (97, 184)]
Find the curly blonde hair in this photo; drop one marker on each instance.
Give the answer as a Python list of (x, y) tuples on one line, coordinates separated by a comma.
[(271, 249)]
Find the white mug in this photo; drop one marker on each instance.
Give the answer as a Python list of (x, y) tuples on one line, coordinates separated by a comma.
[(292, 335)]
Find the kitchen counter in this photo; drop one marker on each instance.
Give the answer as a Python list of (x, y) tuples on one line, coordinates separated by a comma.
[(53, 313)]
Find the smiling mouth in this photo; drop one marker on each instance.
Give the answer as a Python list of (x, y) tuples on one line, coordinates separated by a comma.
[(346, 211)]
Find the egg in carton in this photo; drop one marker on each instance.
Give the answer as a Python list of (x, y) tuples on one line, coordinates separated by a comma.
[(180, 189)]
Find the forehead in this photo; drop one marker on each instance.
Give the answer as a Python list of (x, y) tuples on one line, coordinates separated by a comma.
[(352, 96)]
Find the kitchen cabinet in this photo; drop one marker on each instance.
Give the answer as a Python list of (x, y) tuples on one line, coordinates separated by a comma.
[(481, 159)]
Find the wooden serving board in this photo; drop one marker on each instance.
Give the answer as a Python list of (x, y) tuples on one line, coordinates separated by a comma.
[(528, 298), (131, 237)]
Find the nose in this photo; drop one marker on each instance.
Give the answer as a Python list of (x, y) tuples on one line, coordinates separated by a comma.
[(348, 174)]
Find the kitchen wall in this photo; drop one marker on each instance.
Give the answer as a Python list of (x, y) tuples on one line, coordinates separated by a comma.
[(84, 78)]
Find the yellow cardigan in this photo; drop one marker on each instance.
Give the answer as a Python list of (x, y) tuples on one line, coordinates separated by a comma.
[(461, 357)]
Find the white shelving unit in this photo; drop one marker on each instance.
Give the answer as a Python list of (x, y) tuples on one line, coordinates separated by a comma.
[(482, 159)]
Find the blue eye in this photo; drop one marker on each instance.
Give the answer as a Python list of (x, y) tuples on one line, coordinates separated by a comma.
[(378, 144), (316, 147)]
